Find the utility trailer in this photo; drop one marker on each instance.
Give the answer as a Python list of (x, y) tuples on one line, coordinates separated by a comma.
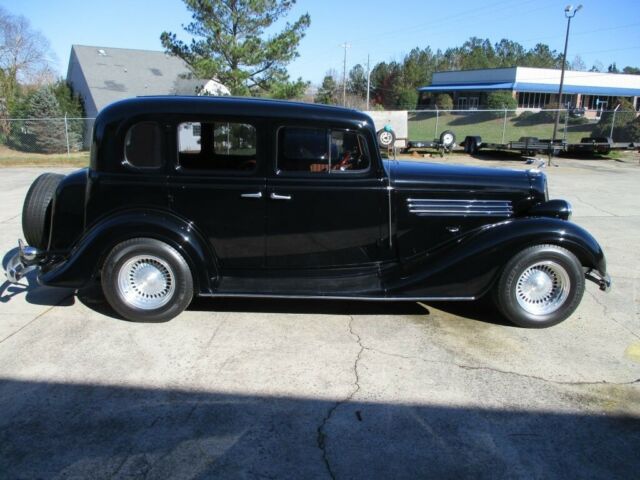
[(444, 144), (530, 146)]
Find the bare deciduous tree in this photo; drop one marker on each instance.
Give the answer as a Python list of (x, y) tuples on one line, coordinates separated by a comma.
[(24, 54)]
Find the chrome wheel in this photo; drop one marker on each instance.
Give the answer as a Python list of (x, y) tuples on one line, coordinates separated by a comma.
[(146, 282), (447, 139), (543, 288)]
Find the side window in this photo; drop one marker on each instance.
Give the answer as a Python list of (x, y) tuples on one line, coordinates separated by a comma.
[(212, 146), (319, 150), (303, 150), (348, 151), (143, 145)]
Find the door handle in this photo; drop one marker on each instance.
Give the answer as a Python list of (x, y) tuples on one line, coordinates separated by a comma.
[(252, 195), (275, 196)]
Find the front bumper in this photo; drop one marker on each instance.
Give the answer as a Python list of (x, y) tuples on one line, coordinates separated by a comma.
[(602, 280), (25, 260)]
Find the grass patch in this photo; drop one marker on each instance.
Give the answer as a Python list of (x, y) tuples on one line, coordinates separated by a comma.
[(14, 158), (422, 126)]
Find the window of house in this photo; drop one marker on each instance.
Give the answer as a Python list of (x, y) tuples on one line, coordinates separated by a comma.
[(229, 146), (318, 150), (143, 145)]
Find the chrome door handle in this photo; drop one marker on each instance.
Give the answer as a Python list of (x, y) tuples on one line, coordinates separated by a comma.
[(275, 196), (252, 195)]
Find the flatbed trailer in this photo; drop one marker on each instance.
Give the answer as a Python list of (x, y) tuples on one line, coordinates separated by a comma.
[(531, 146)]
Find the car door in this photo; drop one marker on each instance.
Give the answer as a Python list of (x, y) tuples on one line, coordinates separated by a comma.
[(219, 185), (326, 204)]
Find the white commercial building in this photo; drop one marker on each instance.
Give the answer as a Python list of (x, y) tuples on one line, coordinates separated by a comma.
[(536, 88)]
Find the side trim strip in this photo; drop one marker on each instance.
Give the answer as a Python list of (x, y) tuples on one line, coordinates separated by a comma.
[(336, 297)]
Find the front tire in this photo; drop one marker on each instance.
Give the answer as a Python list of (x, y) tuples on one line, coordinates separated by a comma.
[(146, 280), (540, 287)]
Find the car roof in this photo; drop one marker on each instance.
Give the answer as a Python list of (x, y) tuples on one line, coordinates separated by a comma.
[(243, 106)]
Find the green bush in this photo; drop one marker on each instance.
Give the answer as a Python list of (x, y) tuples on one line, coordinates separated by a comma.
[(625, 116), (577, 120), (500, 100), (407, 99), (443, 101), (525, 116), (632, 131)]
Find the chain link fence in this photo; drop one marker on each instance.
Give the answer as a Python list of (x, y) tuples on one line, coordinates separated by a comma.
[(501, 126), (42, 138), (24, 140)]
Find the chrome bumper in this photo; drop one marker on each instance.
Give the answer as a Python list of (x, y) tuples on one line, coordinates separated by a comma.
[(603, 281), (25, 260)]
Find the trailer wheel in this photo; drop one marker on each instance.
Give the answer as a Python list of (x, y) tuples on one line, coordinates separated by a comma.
[(472, 145), (448, 139), (386, 138)]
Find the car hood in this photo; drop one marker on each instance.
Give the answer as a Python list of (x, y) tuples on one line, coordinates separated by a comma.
[(410, 175)]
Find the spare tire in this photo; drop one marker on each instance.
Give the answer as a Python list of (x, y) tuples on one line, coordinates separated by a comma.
[(386, 138), (448, 139), (36, 211)]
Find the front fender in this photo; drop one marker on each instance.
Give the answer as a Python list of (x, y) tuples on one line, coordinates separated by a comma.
[(86, 258), (468, 266)]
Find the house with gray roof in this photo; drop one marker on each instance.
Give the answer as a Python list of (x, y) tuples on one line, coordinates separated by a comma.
[(102, 75)]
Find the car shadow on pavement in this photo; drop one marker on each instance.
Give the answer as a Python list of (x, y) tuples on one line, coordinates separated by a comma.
[(481, 310), (69, 430), (34, 293)]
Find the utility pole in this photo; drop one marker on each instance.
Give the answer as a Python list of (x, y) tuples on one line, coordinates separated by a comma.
[(569, 12), (344, 74), (368, 80)]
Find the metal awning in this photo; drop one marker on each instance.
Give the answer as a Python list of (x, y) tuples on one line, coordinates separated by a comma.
[(534, 88), (573, 89)]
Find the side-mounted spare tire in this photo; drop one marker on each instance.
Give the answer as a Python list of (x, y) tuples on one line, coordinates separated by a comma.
[(36, 211), (448, 139)]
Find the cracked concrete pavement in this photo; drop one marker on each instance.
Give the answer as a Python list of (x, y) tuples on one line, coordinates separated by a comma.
[(312, 389)]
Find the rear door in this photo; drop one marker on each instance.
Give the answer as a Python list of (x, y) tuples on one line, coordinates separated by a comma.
[(219, 185)]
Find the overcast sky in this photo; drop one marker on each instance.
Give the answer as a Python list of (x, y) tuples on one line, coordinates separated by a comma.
[(604, 30)]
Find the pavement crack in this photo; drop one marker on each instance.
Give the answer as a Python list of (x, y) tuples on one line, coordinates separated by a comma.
[(596, 207), (610, 317), (321, 437), (502, 372)]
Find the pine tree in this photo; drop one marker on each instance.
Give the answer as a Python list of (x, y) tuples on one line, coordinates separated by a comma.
[(46, 133), (230, 45), (328, 92)]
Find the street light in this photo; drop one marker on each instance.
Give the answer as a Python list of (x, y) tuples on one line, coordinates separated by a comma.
[(569, 12)]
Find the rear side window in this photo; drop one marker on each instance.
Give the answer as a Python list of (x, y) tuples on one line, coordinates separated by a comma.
[(224, 146), (143, 145), (321, 150)]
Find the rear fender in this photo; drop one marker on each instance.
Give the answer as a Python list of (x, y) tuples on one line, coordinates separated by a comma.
[(468, 266), (85, 259)]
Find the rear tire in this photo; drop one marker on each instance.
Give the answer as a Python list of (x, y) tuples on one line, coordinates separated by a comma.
[(540, 287), (36, 210), (146, 280)]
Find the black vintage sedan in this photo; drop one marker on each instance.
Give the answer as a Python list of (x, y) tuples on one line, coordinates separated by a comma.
[(239, 197)]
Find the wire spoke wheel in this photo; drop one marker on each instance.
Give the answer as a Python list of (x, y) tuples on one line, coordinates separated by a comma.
[(146, 282), (543, 288)]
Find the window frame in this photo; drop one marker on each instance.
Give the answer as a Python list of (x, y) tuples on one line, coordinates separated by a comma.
[(257, 124), (329, 173), (161, 154)]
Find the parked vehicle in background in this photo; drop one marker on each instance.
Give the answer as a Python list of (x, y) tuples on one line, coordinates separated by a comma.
[(240, 197)]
